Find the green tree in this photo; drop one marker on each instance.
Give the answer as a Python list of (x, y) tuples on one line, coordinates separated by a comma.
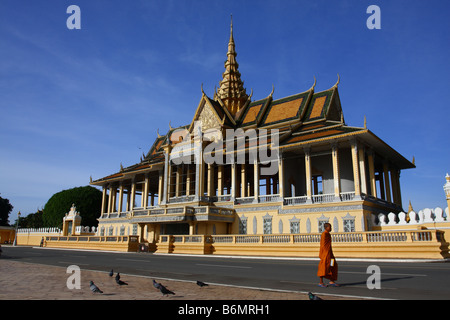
[(87, 200), (5, 210), (32, 220)]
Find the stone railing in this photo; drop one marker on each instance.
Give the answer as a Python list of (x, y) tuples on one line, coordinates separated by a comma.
[(418, 244), (39, 230), (116, 243), (85, 230), (424, 216)]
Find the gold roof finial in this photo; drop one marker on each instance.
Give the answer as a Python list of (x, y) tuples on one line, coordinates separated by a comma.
[(231, 88), (314, 84), (410, 208), (337, 82)]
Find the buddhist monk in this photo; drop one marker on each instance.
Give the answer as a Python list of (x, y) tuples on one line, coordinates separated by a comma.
[(328, 267)]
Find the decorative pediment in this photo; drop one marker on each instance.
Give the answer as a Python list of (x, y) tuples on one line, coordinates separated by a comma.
[(207, 115)]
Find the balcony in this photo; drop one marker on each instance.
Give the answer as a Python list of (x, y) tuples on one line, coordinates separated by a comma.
[(180, 213), (319, 198)]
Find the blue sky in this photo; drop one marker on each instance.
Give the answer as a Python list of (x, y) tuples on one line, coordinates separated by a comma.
[(76, 103)]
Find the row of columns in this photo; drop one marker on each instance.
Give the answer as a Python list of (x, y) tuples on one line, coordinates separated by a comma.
[(208, 170), (389, 178), (114, 203)]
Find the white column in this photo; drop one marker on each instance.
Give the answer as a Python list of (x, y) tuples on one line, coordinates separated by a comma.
[(164, 198), (281, 176), (119, 209), (356, 168), (133, 193), (211, 187), (220, 178), (243, 181), (110, 200), (336, 172), (362, 169), (144, 198), (308, 173), (256, 179), (160, 186), (233, 181), (104, 204)]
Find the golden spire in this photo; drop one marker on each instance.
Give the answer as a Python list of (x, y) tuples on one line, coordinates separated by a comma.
[(231, 90)]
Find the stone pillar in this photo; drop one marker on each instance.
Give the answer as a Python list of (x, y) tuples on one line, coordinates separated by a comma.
[(192, 228), (110, 200), (211, 185), (188, 180), (243, 181), (178, 180), (355, 165), (127, 208), (308, 173), (233, 181), (373, 182), (104, 204), (220, 177), (160, 186), (387, 183), (144, 198), (336, 172), (256, 179), (119, 209), (164, 197), (114, 197), (281, 176), (133, 193), (362, 170)]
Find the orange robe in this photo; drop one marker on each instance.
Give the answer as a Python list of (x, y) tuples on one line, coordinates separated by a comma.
[(326, 254)]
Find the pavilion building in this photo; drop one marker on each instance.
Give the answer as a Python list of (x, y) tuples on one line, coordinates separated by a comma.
[(326, 170)]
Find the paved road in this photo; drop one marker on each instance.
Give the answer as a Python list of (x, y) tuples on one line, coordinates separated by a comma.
[(398, 280)]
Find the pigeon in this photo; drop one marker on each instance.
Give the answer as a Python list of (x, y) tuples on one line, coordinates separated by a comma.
[(157, 285), (201, 284), (111, 273), (313, 296), (164, 290), (94, 288), (120, 282)]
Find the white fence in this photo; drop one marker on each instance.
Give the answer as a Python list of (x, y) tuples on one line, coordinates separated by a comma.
[(40, 230), (78, 230), (412, 218), (81, 229)]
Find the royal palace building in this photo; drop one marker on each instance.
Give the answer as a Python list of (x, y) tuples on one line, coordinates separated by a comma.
[(243, 166)]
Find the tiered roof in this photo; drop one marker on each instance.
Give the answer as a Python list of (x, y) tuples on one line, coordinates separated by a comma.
[(302, 119)]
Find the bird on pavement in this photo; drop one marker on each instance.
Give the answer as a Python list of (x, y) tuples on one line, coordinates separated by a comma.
[(201, 284), (164, 290), (157, 285), (111, 273), (120, 282), (313, 296), (94, 288)]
